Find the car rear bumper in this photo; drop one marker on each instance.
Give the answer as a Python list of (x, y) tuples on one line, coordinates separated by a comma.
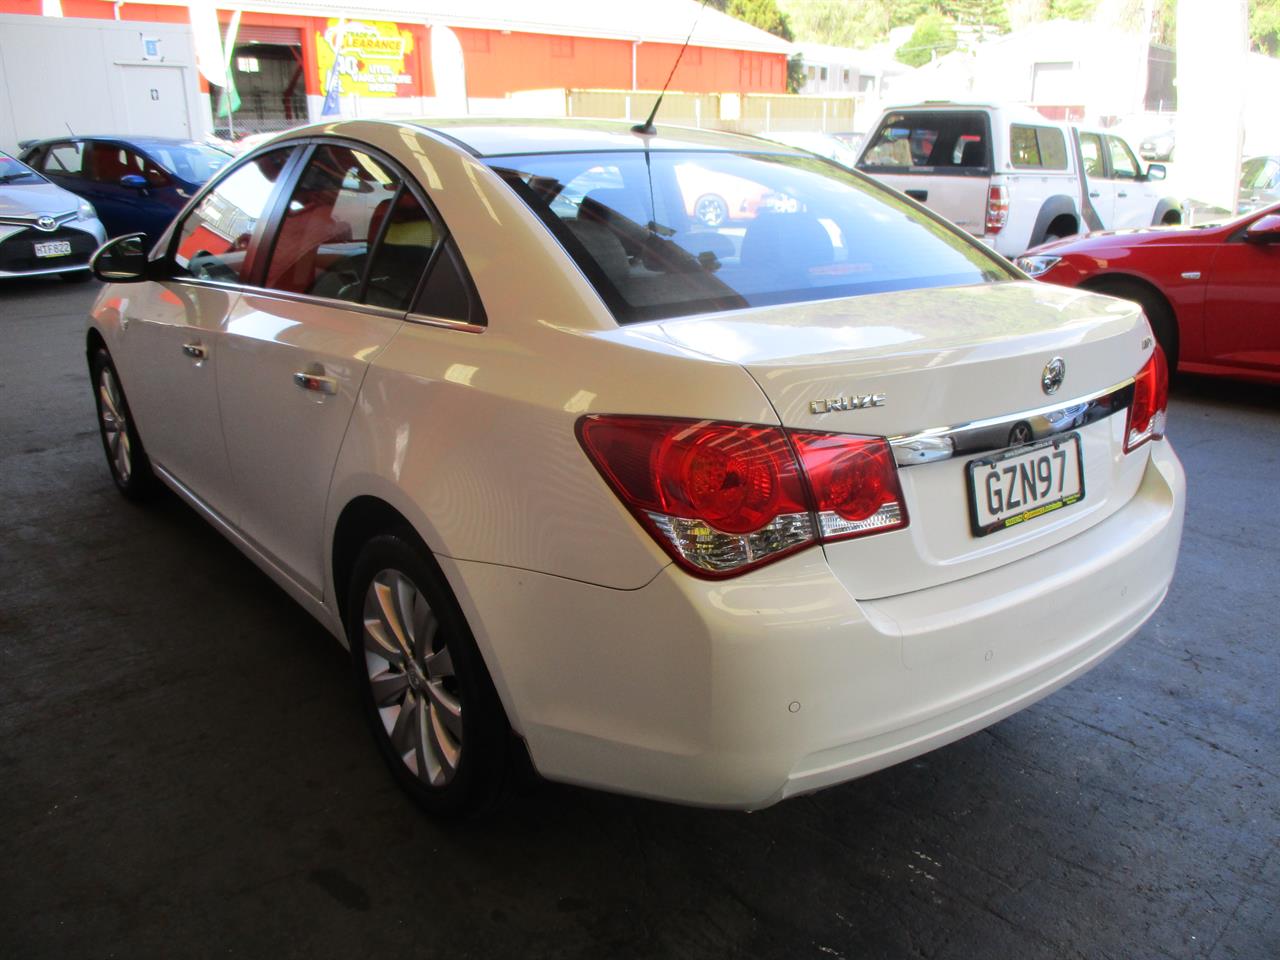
[(739, 693)]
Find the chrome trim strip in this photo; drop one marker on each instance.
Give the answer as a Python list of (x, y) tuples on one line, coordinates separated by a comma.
[(445, 323), (998, 433)]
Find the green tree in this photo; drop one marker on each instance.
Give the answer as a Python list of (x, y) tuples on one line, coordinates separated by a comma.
[(1264, 26), (763, 14), (933, 37)]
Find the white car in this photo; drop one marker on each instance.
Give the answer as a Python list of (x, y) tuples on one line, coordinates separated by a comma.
[(44, 230), (714, 516), (1013, 178)]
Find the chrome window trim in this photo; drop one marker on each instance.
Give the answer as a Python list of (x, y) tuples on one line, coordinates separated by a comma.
[(463, 326), (289, 296), (973, 438)]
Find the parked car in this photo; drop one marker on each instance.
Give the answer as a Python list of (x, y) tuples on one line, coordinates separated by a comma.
[(136, 184), (719, 521), (1259, 183), (1158, 146), (43, 228), (1212, 293), (1011, 177)]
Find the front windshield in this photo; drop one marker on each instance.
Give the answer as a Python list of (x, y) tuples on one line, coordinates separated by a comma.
[(15, 171), (678, 233), (193, 162)]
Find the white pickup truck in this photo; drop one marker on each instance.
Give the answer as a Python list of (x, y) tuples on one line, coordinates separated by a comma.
[(1011, 177)]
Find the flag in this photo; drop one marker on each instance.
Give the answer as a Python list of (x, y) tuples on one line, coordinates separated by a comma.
[(333, 88), (230, 98)]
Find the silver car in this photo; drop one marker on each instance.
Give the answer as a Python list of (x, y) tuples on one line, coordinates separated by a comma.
[(43, 228)]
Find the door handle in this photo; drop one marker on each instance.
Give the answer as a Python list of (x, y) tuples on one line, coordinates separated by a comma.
[(920, 195), (195, 351), (1121, 194), (316, 382), (1094, 195)]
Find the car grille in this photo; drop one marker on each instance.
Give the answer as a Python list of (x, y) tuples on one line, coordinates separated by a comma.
[(18, 253)]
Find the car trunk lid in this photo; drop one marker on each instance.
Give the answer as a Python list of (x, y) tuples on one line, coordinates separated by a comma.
[(913, 365)]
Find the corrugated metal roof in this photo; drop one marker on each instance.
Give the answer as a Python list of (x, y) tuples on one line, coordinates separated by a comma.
[(654, 21)]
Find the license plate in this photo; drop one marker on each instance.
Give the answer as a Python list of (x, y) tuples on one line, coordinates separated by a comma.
[(53, 248), (1024, 483)]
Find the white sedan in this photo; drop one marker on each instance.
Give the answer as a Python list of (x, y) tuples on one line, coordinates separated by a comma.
[(717, 515)]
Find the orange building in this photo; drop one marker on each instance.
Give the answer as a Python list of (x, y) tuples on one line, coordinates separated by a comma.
[(283, 58)]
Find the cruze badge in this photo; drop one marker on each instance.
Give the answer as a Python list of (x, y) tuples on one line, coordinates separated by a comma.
[(47, 224), (1055, 371), (857, 402)]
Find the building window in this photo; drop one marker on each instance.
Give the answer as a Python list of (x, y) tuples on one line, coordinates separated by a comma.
[(562, 46), (846, 78), (824, 73), (813, 73)]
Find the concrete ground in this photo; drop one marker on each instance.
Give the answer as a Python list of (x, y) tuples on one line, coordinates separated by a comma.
[(184, 772)]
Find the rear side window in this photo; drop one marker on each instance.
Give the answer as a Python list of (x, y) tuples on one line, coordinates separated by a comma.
[(1043, 148), (212, 242), (64, 159), (694, 232), (1091, 151), (942, 142)]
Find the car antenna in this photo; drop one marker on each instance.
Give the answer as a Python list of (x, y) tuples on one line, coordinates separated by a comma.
[(67, 124), (647, 129)]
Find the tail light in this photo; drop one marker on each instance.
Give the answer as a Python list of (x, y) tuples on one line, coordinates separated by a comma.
[(723, 498), (1150, 398), (997, 209)]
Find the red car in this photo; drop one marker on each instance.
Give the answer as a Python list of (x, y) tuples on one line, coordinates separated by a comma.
[(1212, 293)]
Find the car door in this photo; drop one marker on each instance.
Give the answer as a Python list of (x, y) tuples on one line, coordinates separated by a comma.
[(1101, 188), (351, 244), (1242, 304), (1133, 205), (128, 189), (171, 329)]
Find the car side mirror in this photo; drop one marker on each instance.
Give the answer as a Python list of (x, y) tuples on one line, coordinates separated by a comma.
[(1157, 171), (135, 181), (122, 260), (1264, 230)]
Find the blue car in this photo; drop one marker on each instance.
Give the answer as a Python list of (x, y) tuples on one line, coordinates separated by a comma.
[(137, 184)]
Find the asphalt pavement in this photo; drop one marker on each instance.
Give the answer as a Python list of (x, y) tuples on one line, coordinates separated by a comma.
[(184, 771)]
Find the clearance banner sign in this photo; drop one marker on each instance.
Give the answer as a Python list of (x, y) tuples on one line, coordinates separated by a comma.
[(366, 58)]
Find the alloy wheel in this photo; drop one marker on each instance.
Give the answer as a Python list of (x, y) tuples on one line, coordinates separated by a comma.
[(115, 425), (411, 677)]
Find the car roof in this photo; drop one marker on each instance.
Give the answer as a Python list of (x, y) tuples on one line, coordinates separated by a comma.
[(146, 140), (493, 138)]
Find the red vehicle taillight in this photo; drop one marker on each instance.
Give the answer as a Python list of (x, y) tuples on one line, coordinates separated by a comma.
[(722, 498), (1150, 398), (997, 209)]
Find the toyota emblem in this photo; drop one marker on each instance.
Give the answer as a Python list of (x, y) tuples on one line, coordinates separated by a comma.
[(47, 224), (1055, 371)]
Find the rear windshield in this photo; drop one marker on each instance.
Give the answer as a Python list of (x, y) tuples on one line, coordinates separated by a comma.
[(675, 233), (926, 142)]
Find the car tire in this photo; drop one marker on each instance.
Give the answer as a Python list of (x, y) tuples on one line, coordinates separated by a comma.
[(423, 685), (711, 210), (126, 457), (1159, 314)]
